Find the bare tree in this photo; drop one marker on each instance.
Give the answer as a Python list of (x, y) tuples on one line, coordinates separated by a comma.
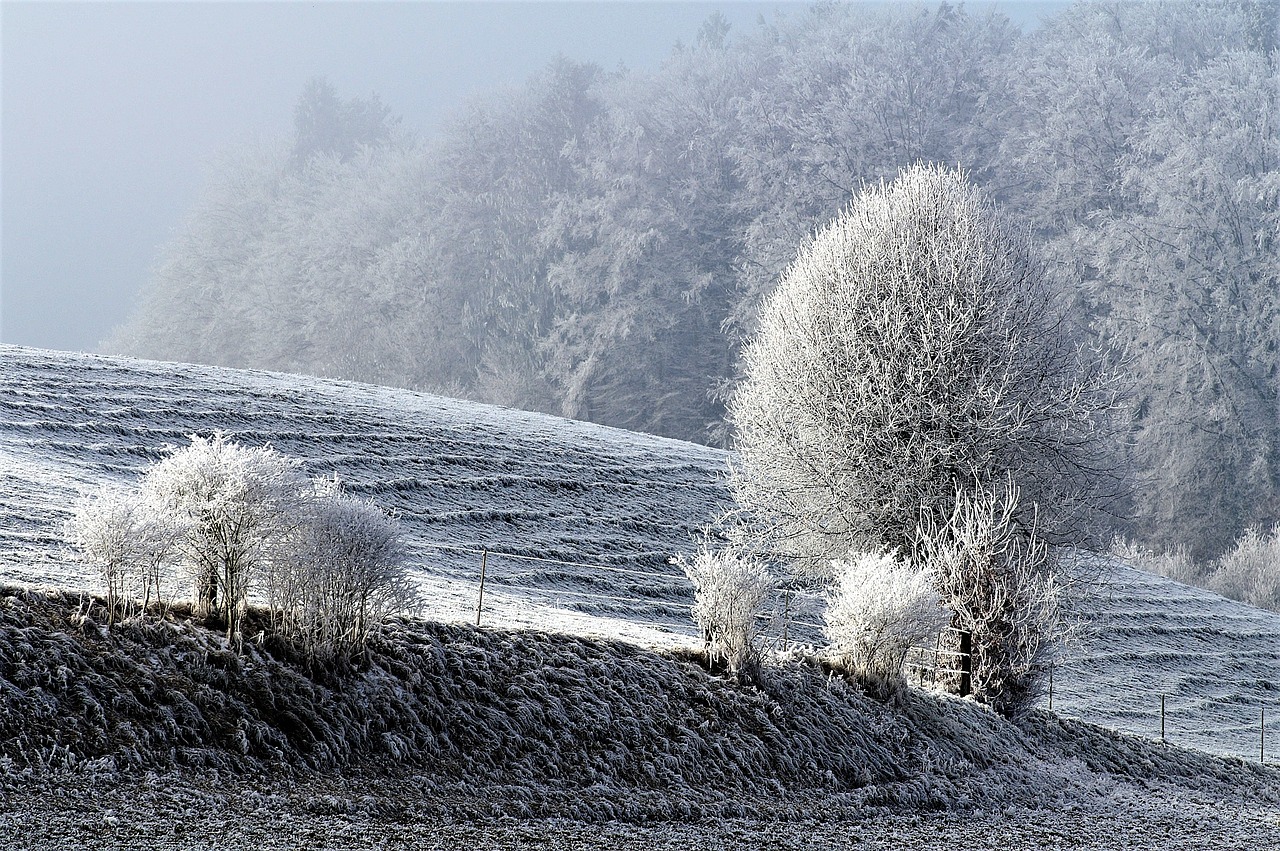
[(999, 579)]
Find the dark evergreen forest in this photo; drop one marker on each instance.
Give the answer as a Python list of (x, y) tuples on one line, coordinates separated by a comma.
[(596, 243)]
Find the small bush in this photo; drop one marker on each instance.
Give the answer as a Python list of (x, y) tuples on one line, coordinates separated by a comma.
[(877, 609), (1250, 571), (341, 575), (128, 542), (1176, 564), (729, 592)]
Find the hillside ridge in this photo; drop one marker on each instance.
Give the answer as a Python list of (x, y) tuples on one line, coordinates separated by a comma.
[(563, 725), (594, 513)]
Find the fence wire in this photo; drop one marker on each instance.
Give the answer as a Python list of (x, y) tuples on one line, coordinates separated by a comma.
[(792, 618)]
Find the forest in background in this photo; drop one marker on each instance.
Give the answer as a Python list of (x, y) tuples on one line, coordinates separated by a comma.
[(596, 243)]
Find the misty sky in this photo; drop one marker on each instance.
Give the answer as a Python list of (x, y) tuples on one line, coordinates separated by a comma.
[(112, 111)]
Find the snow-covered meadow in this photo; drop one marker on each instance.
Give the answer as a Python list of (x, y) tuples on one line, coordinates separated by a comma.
[(579, 522)]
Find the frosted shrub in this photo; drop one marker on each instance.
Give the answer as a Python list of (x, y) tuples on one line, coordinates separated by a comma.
[(877, 609), (232, 504), (332, 568), (128, 543), (997, 578), (1175, 564), (729, 593), (342, 576), (1250, 571)]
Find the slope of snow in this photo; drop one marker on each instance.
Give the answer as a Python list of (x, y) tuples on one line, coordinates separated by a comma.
[(545, 495), (461, 476), (1216, 662)]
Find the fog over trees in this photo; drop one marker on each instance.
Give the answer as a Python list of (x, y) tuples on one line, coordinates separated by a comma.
[(597, 243)]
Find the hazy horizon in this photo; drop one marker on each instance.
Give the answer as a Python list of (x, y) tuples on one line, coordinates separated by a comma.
[(113, 111)]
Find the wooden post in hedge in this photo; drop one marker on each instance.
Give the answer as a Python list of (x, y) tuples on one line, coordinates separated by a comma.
[(786, 616), (484, 562), (966, 663)]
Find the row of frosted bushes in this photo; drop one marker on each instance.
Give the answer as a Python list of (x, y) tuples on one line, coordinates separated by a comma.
[(1248, 572), (218, 523)]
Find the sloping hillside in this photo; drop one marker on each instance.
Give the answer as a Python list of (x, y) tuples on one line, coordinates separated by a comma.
[(461, 476), (464, 477), (1216, 662), (532, 725)]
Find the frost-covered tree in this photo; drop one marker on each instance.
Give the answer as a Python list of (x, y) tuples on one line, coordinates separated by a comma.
[(129, 543), (342, 573), (325, 124), (999, 578), (1188, 278), (915, 346), (1141, 140), (233, 505), (878, 608), (241, 521), (645, 273), (729, 592), (597, 243)]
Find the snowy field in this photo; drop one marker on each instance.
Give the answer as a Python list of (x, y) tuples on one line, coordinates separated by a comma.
[(579, 522)]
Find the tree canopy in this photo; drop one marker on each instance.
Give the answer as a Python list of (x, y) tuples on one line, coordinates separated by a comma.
[(915, 349), (597, 243)]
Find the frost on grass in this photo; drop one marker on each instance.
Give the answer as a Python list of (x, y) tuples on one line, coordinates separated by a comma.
[(548, 724)]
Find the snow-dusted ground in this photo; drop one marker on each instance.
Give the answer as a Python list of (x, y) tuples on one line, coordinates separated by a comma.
[(172, 812), (461, 477), (1216, 662), (547, 496)]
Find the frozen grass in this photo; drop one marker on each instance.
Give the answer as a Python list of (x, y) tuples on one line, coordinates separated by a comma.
[(463, 476), (551, 724)]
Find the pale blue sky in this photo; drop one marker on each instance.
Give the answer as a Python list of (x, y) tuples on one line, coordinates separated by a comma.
[(112, 110)]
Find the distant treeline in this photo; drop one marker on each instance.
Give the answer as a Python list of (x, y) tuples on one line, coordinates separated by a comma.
[(596, 243)]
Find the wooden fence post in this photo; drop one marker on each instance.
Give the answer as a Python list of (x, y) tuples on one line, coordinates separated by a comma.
[(786, 616), (484, 562), (1162, 718), (1262, 738), (966, 663), (1050, 686)]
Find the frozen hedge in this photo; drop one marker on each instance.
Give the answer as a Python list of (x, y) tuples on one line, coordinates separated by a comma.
[(549, 724)]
